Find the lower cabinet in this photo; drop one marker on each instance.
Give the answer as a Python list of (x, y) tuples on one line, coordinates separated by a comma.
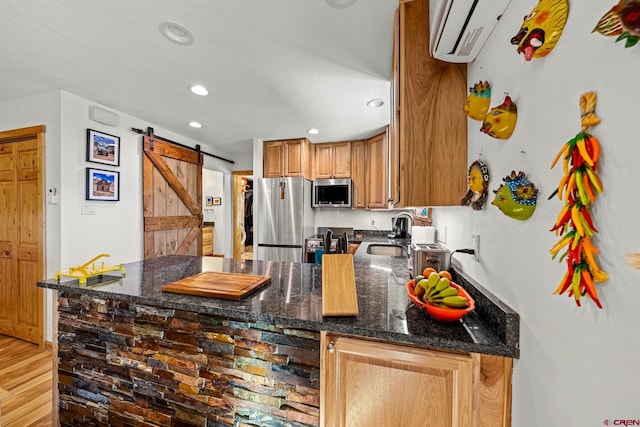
[(370, 383), (207, 240)]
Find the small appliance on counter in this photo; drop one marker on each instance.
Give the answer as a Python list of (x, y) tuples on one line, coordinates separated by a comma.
[(429, 255), (339, 239)]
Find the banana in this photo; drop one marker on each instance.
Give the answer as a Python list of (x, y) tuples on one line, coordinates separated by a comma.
[(443, 283), (455, 301), (448, 292)]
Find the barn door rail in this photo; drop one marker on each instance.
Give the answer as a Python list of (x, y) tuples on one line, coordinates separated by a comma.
[(152, 136)]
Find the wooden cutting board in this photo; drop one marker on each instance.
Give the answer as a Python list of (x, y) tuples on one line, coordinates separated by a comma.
[(339, 297), (218, 285)]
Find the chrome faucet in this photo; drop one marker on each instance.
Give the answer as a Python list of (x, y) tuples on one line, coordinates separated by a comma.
[(395, 223)]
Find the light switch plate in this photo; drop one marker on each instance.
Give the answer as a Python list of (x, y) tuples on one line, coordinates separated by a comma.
[(441, 234), (86, 209)]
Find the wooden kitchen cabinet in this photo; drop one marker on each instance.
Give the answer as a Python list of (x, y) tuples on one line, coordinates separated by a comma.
[(366, 383), (377, 171), (207, 240), (358, 174), (332, 160), (429, 129), (287, 158)]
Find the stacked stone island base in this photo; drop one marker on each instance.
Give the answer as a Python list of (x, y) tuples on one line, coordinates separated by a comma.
[(124, 363)]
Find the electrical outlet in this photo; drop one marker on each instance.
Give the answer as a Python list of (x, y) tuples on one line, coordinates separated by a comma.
[(373, 222), (475, 243), (441, 233)]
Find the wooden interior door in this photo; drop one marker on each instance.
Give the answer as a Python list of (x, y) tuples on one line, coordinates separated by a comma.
[(22, 233), (172, 194)]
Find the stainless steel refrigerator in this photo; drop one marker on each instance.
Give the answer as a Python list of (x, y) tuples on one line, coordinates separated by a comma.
[(284, 217)]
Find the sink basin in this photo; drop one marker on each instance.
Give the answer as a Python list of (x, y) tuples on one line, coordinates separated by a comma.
[(386, 250)]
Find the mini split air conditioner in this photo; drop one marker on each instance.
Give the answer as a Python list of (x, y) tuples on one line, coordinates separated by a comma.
[(460, 28)]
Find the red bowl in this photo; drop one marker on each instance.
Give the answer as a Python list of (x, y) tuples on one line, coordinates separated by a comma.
[(444, 314)]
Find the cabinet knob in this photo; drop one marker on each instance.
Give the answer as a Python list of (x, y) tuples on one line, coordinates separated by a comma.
[(331, 347)]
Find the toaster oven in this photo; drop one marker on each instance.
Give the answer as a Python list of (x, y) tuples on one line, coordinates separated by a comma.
[(429, 255)]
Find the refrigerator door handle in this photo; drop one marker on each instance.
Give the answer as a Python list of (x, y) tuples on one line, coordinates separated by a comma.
[(282, 186)]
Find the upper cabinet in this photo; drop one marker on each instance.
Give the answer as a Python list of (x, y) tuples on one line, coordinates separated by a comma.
[(428, 142), (332, 160), (376, 171), (291, 157)]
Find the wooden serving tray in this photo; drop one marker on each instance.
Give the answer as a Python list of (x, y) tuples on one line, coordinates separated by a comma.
[(339, 297), (218, 285)]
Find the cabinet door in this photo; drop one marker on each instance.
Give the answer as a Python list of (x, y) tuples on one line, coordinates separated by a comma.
[(295, 158), (358, 178), (273, 156), (377, 172), (366, 383), (432, 127), (323, 161), (207, 240), (342, 160)]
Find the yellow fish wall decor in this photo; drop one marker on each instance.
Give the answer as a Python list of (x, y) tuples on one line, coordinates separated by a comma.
[(477, 104), (623, 21), (501, 120), (542, 28)]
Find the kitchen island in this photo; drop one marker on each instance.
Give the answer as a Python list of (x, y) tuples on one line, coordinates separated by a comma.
[(130, 352)]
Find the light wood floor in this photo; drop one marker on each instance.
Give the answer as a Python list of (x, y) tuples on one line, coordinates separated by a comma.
[(26, 374)]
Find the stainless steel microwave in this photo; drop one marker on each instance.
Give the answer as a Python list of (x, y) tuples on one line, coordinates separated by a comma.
[(331, 193)]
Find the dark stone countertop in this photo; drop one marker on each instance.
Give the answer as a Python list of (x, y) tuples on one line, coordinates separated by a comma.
[(294, 297)]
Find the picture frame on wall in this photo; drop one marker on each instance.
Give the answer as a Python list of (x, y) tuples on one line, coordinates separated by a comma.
[(103, 185), (209, 201), (103, 148), (217, 201)]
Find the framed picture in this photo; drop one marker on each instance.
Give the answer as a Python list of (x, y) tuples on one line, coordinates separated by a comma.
[(217, 201), (103, 148), (209, 201), (103, 185)]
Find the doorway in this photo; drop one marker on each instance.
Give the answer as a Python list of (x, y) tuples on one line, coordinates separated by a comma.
[(22, 255), (243, 214)]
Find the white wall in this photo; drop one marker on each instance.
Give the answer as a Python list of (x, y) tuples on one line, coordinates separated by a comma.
[(578, 366), (213, 185)]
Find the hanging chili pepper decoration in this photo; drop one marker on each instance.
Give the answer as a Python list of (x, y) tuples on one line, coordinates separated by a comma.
[(578, 188)]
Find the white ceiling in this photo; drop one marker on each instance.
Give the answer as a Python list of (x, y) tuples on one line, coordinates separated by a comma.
[(274, 68)]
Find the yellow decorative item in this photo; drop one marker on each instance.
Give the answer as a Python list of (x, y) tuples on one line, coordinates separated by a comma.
[(578, 188), (501, 120), (89, 269), (542, 28), (477, 104)]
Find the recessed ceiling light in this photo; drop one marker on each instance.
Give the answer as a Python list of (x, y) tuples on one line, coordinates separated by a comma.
[(176, 33), (313, 131), (195, 124), (375, 103), (340, 4), (199, 90)]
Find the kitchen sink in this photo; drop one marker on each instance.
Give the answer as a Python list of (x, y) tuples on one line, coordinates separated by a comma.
[(387, 250)]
